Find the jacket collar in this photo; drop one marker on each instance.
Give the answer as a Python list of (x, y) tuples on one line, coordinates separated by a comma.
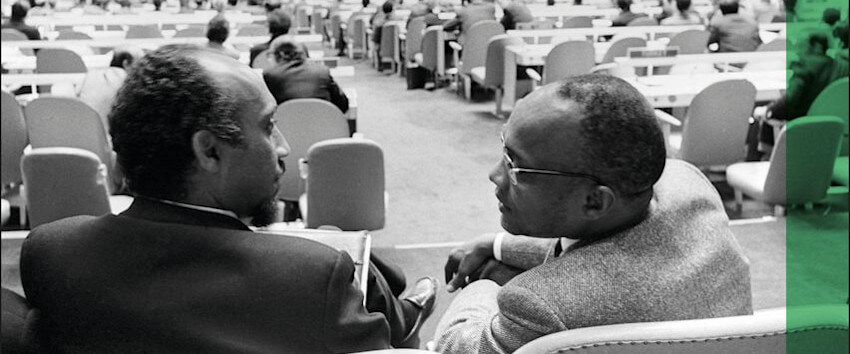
[(154, 210)]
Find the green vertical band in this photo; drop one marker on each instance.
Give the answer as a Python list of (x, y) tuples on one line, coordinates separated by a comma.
[(816, 244)]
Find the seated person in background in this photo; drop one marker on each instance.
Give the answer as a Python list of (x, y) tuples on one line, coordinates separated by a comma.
[(424, 8), (813, 71), (100, 86), (379, 19), (515, 12), (626, 15), (217, 31), (615, 232), (18, 21), (734, 32), (683, 15), (476, 11), (279, 22), (293, 76), (181, 271)]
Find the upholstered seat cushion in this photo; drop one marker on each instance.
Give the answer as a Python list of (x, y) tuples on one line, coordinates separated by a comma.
[(748, 177), (839, 174)]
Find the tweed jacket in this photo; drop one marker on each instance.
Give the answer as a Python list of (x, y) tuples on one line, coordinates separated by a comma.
[(681, 262), (165, 279)]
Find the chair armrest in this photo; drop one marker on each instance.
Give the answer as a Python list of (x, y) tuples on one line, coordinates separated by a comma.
[(358, 135), (402, 37), (303, 168), (666, 118), (603, 67), (455, 46), (534, 75)]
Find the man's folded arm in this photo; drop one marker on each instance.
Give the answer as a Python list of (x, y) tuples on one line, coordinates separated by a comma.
[(522, 251), (347, 325), (480, 320)]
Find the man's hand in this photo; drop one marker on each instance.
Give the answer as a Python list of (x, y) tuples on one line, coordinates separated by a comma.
[(499, 272), (466, 263)]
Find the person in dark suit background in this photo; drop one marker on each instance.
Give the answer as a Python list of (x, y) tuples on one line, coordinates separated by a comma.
[(218, 29), (515, 12), (734, 32), (476, 11), (626, 15), (279, 22), (295, 77), (180, 271), (424, 9), (18, 21)]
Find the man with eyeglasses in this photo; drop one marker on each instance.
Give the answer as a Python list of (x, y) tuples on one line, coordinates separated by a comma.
[(615, 233)]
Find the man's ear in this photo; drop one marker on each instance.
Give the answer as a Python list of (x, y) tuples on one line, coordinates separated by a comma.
[(599, 201), (207, 150)]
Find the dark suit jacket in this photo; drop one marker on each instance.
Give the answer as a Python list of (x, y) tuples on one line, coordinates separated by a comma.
[(624, 18), (257, 49), (734, 33), (30, 31), (812, 74), (470, 15), (515, 13), (160, 278), (303, 79)]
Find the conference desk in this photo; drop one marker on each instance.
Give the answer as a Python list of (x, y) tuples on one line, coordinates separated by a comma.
[(107, 42), (73, 81), (650, 32), (664, 91), (535, 55), (197, 18)]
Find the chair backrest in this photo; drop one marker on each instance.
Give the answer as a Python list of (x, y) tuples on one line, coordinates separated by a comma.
[(72, 35), (358, 33), (67, 122), (302, 18), (252, 30), (690, 41), (832, 101), (304, 122), (191, 32), (143, 31), (9, 34), (316, 20), (715, 128), (413, 41), (643, 21), (494, 67), (433, 49), (819, 329), (63, 182), (578, 22), (803, 173), (620, 48), (59, 60), (776, 45), (262, 60), (475, 46), (535, 25), (345, 184), (14, 333), (568, 59), (389, 41), (14, 139)]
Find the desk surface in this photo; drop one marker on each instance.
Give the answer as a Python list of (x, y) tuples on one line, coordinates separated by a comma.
[(679, 90), (111, 42)]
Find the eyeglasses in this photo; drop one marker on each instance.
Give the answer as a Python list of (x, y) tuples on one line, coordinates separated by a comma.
[(513, 170)]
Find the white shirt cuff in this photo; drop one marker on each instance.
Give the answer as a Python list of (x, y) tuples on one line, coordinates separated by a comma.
[(497, 246)]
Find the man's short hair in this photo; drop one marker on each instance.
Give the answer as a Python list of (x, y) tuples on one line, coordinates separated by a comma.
[(831, 16), (365, 3), (218, 29), (683, 5), (286, 49), (166, 98), (125, 53), (728, 7), (819, 39), (622, 142), (271, 5), (387, 7), (625, 5), (841, 33), (279, 22), (19, 10)]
